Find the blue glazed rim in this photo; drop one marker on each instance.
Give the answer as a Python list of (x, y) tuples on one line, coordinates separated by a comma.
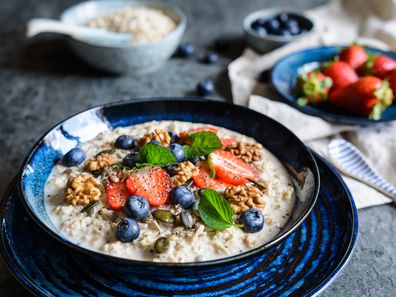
[(290, 99), (226, 260), (30, 286)]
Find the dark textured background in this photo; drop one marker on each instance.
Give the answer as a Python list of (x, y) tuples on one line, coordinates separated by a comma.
[(42, 82)]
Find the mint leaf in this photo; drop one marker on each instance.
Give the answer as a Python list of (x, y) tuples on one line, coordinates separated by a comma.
[(201, 144), (153, 154), (214, 210)]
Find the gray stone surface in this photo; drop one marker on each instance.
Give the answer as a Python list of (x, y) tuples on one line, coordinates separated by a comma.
[(42, 82)]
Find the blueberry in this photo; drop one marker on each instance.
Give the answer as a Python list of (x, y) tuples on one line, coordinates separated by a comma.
[(284, 32), (124, 142), (183, 196), (155, 142), (293, 27), (73, 157), (131, 159), (177, 151), (185, 49), (137, 208), (194, 159), (173, 136), (205, 87), (210, 58), (221, 44), (170, 169), (262, 31), (252, 220), (272, 26), (259, 23), (127, 230), (283, 17)]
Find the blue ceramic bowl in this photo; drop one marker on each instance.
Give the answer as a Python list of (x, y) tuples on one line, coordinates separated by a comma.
[(87, 124), (129, 58), (284, 76), (270, 42)]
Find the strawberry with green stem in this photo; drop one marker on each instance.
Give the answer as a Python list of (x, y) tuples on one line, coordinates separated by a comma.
[(341, 74), (378, 65), (355, 55), (312, 87), (368, 97)]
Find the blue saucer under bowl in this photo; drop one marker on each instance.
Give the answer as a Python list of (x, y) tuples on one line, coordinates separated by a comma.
[(86, 125), (302, 265), (284, 75)]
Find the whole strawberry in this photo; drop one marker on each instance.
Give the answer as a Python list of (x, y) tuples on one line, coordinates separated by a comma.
[(379, 66), (355, 55), (341, 73), (392, 82), (312, 87), (368, 97)]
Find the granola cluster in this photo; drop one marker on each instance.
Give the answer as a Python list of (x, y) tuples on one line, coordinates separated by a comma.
[(82, 190), (159, 135), (99, 162), (183, 172), (248, 152), (244, 197)]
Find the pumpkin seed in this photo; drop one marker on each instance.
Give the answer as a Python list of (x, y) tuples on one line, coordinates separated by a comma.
[(261, 186), (188, 183), (161, 245), (97, 172), (90, 206), (164, 216), (109, 151), (187, 219)]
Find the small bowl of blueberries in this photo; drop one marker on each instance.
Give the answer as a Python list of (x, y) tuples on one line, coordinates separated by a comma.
[(271, 28)]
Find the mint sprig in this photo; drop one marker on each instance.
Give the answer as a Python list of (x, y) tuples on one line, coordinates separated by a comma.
[(155, 155), (215, 211), (201, 144)]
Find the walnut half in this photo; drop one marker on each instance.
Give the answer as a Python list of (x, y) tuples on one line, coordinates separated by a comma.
[(244, 197), (183, 172), (82, 190), (159, 135), (248, 152), (99, 162)]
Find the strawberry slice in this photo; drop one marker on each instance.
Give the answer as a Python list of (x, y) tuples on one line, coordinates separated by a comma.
[(202, 180), (153, 183), (226, 142), (204, 128), (230, 168), (117, 194)]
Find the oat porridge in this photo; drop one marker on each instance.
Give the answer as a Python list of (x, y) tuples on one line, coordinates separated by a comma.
[(146, 24), (170, 191)]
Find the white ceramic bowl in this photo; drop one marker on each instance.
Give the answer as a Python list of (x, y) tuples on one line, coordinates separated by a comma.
[(128, 58)]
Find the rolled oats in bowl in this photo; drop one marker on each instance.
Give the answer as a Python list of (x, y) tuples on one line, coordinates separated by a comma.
[(146, 24), (171, 191)]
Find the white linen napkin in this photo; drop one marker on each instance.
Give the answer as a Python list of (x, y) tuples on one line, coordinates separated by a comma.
[(338, 22)]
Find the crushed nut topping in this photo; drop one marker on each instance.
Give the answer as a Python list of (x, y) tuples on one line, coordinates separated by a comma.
[(248, 152), (183, 172), (244, 197), (82, 190), (99, 162), (158, 135)]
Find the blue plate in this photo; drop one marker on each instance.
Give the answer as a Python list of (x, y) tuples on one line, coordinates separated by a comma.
[(302, 265), (284, 75)]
